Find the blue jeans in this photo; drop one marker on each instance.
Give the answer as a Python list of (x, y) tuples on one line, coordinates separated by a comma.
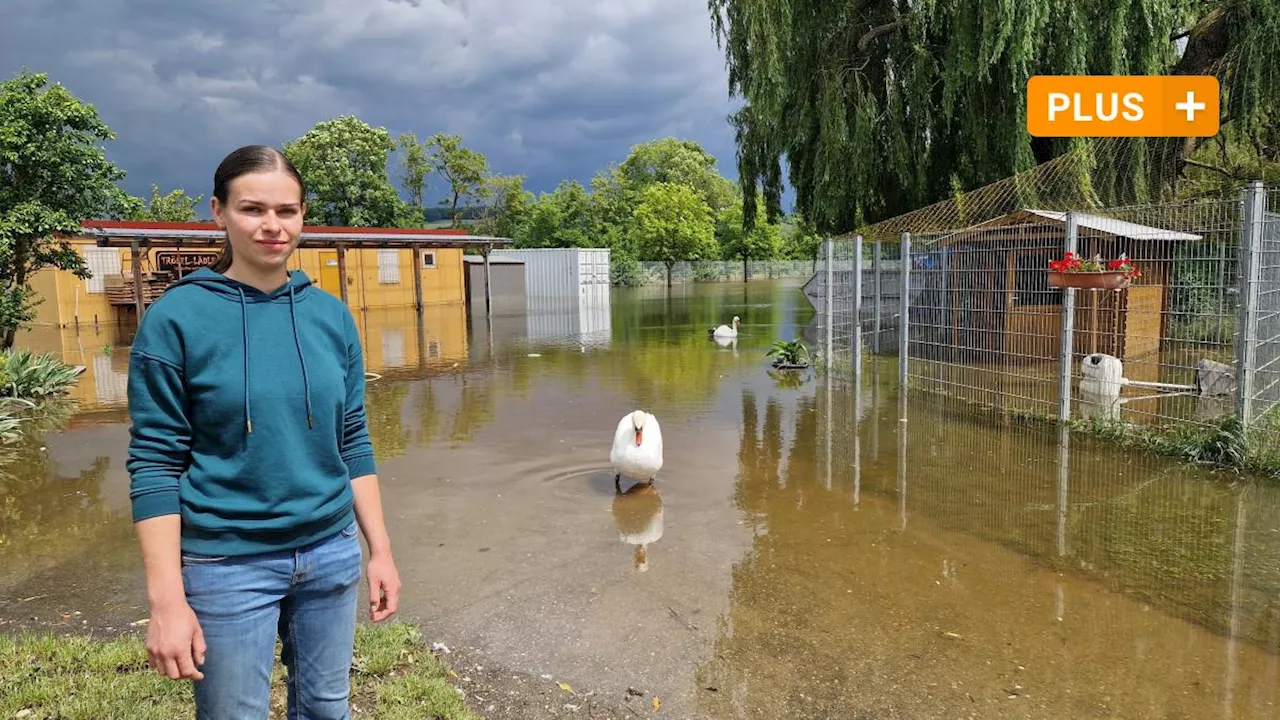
[(307, 597)]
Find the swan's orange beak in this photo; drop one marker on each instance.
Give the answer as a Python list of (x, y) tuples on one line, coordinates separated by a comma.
[(639, 435)]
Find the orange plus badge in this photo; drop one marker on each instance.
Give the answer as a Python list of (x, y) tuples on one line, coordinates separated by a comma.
[(1123, 106)]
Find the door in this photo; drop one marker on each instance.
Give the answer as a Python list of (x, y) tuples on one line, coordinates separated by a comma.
[(977, 299), (1033, 324), (593, 267), (330, 281)]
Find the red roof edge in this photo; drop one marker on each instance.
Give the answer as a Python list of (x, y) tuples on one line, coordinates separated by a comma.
[(149, 225)]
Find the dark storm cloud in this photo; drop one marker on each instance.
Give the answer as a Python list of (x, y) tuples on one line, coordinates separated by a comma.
[(547, 88)]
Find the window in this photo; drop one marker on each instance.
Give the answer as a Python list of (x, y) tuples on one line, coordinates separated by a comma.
[(428, 260), (389, 267), (102, 262)]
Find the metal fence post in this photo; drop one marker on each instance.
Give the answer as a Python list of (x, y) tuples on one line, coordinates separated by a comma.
[(829, 292), (1071, 245), (856, 339), (1255, 202), (875, 263), (904, 311)]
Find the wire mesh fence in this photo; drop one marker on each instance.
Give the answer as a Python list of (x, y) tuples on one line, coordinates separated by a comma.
[(1155, 529), (653, 273), (1193, 339)]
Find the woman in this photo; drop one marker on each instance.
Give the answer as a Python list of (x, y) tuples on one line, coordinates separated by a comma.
[(251, 464)]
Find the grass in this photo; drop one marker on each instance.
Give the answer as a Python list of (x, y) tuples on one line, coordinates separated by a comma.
[(1225, 444), (394, 677)]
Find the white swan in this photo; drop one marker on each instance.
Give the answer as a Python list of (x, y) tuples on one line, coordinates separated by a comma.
[(725, 330), (637, 448)]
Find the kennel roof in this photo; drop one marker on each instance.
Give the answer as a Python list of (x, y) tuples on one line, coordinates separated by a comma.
[(1087, 221)]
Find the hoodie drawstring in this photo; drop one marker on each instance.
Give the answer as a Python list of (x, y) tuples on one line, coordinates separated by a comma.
[(297, 343), (244, 325), (306, 384)]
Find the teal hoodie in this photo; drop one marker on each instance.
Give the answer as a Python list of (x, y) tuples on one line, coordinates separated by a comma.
[(247, 414)]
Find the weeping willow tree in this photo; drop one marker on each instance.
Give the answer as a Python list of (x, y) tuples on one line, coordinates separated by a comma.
[(878, 107)]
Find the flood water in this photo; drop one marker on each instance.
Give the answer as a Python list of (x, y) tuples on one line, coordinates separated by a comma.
[(811, 549)]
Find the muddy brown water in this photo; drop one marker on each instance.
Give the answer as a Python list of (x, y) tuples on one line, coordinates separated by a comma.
[(809, 550)]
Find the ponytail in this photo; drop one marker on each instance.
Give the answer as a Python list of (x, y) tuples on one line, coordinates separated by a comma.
[(223, 263)]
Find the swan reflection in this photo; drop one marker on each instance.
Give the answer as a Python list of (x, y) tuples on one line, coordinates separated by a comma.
[(727, 342), (637, 513)]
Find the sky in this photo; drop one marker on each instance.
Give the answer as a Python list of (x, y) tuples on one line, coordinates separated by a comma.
[(548, 89)]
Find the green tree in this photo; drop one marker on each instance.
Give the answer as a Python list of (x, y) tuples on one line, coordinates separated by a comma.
[(875, 106), (509, 210), (801, 241), (173, 206), (671, 224), (681, 162), (344, 163), (53, 174), (463, 168), (561, 219), (415, 165), (762, 242), (613, 203)]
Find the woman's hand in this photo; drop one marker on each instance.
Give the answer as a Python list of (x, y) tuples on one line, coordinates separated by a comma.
[(384, 587), (175, 642), (384, 579)]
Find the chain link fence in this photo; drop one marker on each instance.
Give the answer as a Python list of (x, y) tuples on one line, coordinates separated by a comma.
[(655, 273), (1193, 340)]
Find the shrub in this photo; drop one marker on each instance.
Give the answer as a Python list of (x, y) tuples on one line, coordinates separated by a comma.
[(25, 374), (706, 272), (624, 270), (789, 352)]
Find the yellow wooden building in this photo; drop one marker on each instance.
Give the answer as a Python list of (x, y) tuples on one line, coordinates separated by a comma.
[(383, 268)]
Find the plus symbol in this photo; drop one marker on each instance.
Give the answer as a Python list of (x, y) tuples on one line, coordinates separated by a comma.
[(1190, 106)]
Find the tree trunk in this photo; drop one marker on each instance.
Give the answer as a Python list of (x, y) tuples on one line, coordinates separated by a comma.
[(669, 273), (1207, 45), (21, 268), (745, 271)]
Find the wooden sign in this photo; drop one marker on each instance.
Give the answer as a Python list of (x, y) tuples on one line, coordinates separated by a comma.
[(182, 263)]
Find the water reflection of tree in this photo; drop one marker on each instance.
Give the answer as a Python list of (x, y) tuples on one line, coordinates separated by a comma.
[(781, 589), (476, 408), (790, 628), (45, 516), (384, 402)]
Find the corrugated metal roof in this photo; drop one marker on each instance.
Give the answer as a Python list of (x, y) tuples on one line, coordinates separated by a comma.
[(1116, 227), (494, 259), (115, 233)]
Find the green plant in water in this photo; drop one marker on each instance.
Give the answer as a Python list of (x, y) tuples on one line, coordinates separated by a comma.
[(789, 352), (1224, 444), (26, 374)]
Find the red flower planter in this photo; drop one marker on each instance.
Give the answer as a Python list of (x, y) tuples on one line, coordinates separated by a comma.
[(1105, 280)]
